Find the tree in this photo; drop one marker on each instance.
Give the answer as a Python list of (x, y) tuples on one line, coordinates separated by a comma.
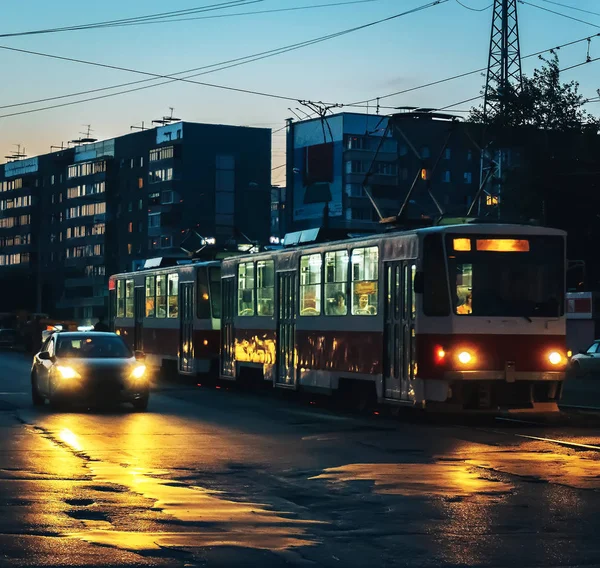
[(543, 103), (556, 178)]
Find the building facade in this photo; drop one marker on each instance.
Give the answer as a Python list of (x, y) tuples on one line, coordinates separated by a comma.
[(71, 218), (331, 160)]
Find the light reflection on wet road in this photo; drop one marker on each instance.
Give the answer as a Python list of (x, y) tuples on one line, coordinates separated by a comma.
[(218, 478)]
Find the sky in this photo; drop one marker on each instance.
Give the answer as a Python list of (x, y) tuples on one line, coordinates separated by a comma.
[(408, 51)]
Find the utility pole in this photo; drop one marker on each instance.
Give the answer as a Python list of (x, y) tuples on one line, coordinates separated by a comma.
[(503, 83)]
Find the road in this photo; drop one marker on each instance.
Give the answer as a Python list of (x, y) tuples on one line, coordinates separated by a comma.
[(217, 477)]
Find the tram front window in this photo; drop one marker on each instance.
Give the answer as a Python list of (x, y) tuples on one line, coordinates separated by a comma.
[(523, 277)]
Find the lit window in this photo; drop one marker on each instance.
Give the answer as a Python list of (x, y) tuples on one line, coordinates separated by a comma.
[(129, 298), (173, 292), (150, 296), (364, 281), (336, 278), (265, 287), (310, 285), (161, 296), (492, 200), (246, 289)]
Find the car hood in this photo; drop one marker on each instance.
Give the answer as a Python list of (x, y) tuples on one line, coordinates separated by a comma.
[(82, 365)]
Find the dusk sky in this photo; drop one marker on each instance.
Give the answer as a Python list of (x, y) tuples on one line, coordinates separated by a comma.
[(408, 51)]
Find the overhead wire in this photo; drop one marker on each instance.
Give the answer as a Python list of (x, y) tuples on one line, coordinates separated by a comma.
[(571, 7), (159, 17), (474, 9), (525, 2), (172, 78)]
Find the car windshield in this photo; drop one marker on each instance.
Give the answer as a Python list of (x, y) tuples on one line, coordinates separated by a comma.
[(92, 346)]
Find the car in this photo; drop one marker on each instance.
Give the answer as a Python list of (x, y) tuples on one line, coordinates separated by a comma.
[(89, 367), (586, 362)]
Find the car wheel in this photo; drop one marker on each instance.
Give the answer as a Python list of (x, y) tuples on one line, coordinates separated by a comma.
[(140, 403), (36, 398)]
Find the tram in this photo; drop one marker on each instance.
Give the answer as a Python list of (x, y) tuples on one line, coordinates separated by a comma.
[(171, 313), (467, 316)]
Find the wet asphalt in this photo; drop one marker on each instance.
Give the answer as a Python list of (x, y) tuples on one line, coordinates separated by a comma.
[(217, 477)]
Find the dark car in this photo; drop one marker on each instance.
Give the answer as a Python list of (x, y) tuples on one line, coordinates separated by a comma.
[(91, 367)]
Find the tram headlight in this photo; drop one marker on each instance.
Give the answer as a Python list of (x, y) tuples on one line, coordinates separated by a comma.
[(555, 358), (464, 357)]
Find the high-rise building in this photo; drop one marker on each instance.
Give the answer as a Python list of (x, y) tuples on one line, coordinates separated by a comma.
[(71, 218)]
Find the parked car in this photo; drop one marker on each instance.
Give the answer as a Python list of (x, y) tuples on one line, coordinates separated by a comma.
[(586, 363)]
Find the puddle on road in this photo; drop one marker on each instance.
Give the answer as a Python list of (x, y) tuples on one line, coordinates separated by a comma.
[(223, 522), (440, 479), (574, 470)]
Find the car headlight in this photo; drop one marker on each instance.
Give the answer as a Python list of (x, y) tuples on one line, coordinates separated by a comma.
[(138, 372), (67, 372)]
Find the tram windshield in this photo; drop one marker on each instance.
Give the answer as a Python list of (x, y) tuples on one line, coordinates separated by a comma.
[(501, 276)]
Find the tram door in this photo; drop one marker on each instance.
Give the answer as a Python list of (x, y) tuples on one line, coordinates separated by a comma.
[(286, 328), (227, 335), (186, 327), (399, 331), (139, 311)]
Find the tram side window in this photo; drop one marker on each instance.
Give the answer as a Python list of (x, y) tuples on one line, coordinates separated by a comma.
[(365, 263), (120, 298), (215, 291), (173, 292), (265, 287), (128, 298), (436, 301), (336, 279), (310, 285), (246, 289), (202, 295), (150, 296), (464, 289), (161, 296)]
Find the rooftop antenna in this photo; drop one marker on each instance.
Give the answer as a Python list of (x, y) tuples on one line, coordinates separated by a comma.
[(85, 137), (167, 119), (18, 155), (61, 147), (142, 127)]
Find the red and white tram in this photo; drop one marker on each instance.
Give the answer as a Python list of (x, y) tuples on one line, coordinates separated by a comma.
[(469, 315), (171, 313)]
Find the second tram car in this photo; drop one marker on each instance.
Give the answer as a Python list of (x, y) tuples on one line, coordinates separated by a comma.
[(171, 313), (470, 316)]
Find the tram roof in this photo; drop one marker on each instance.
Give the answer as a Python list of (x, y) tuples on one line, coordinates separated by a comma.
[(465, 228), (170, 268)]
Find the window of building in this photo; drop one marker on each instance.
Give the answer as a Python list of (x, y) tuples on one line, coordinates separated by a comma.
[(447, 154), (129, 298), (402, 150), (357, 143), (141, 161), (140, 204), (425, 152), (153, 220), (173, 292), (161, 296), (130, 227), (492, 200), (469, 155), (265, 287), (355, 190), (129, 248), (166, 241), (150, 296), (446, 176), (310, 285), (355, 167), (336, 282), (468, 177), (385, 168), (163, 153), (140, 183), (166, 197), (246, 289), (365, 264)]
